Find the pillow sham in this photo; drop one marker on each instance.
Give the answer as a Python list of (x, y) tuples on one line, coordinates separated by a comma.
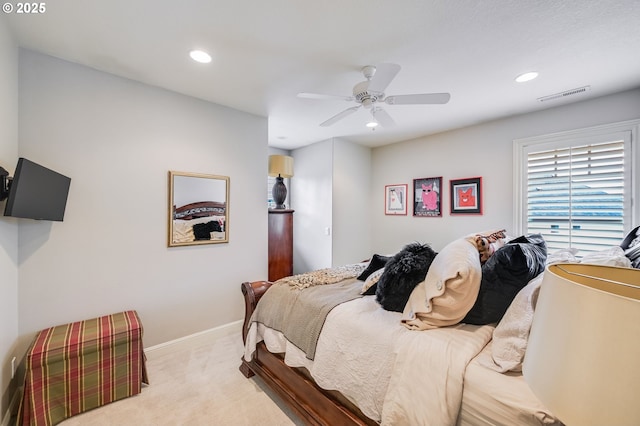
[(371, 283), (505, 273), (449, 289), (401, 274), (377, 261), (511, 335), (613, 256), (182, 231)]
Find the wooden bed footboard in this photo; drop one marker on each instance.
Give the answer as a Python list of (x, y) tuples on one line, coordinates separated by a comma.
[(252, 292), (312, 404)]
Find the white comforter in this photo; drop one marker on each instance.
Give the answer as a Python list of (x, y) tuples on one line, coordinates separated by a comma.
[(394, 375)]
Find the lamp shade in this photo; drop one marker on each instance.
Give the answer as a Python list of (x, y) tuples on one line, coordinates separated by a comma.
[(583, 355), (281, 165)]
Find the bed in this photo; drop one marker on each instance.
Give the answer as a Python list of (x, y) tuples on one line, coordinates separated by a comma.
[(199, 221), (421, 366)]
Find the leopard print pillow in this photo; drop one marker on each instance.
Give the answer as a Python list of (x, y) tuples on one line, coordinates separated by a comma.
[(487, 243)]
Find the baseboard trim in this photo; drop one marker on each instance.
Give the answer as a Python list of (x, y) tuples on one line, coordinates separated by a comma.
[(194, 340), (13, 407), (191, 341)]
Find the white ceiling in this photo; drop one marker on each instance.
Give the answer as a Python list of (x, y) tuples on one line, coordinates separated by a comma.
[(265, 52)]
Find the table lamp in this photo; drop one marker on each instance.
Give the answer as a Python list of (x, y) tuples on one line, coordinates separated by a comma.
[(583, 355), (280, 166)]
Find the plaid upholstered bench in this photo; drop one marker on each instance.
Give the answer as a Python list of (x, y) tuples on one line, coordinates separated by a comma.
[(76, 367)]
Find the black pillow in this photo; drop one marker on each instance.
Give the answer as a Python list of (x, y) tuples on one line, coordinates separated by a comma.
[(505, 273), (631, 247), (401, 274), (377, 262)]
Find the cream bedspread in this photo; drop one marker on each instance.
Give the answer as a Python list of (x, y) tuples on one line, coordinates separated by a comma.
[(394, 375), (427, 381), (499, 398)]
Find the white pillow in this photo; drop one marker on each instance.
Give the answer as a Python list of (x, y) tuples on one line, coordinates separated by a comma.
[(613, 256), (512, 332), (182, 231), (448, 291), (567, 255)]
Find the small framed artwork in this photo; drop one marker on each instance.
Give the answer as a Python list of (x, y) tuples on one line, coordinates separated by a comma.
[(466, 196), (395, 199), (427, 197)]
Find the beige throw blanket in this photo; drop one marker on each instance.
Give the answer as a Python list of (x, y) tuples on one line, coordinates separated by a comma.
[(323, 276), (300, 314)]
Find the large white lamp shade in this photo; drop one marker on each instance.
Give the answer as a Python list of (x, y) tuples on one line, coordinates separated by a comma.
[(583, 355)]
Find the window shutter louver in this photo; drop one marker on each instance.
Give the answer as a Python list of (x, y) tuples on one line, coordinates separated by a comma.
[(575, 195)]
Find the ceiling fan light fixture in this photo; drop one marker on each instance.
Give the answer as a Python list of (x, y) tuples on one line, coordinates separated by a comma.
[(527, 76), (367, 102), (200, 56)]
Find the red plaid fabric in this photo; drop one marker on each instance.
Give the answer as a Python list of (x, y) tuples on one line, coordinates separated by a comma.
[(76, 367)]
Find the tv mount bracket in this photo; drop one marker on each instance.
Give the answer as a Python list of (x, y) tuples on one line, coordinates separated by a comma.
[(5, 183)]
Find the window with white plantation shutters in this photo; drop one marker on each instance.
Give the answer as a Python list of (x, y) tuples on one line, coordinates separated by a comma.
[(575, 189)]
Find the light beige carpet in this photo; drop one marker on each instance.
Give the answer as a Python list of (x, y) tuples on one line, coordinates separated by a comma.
[(196, 387)]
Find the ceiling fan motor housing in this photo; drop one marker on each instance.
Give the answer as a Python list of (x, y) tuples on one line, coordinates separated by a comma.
[(363, 96)]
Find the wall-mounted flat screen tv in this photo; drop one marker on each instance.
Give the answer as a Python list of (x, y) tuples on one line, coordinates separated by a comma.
[(37, 192)]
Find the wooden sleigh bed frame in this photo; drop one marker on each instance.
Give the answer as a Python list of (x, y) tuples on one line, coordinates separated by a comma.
[(485, 388), (314, 405)]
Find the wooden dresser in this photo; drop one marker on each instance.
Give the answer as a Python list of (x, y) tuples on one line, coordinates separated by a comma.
[(280, 243)]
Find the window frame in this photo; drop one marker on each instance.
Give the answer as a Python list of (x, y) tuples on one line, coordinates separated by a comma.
[(579, 137)]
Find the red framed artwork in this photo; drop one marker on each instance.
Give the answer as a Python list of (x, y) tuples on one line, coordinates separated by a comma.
[(395, 199), (466, 196)]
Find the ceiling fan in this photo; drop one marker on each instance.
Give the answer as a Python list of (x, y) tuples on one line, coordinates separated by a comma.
[(370, 93)]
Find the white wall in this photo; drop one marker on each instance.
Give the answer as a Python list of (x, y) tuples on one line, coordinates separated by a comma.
[(311, 194), (481, 150), (351, 195), (332, 224), (117, 139), (8, 227)]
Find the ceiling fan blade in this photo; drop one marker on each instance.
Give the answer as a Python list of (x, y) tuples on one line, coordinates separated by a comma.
[(339, 116), (320, 96), (425, 98), (384, 74), (383, 117)]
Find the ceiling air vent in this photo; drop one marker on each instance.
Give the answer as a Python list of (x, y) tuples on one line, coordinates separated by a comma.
[(564, 94)]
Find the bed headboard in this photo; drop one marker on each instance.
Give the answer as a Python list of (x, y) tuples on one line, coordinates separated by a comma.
[(200, 209)]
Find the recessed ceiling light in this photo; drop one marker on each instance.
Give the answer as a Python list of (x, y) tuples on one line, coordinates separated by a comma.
[(200, 56), (372, 124), (528, 76)]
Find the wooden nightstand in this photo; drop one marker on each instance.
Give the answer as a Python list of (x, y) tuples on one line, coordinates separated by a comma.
[(280, 243)]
